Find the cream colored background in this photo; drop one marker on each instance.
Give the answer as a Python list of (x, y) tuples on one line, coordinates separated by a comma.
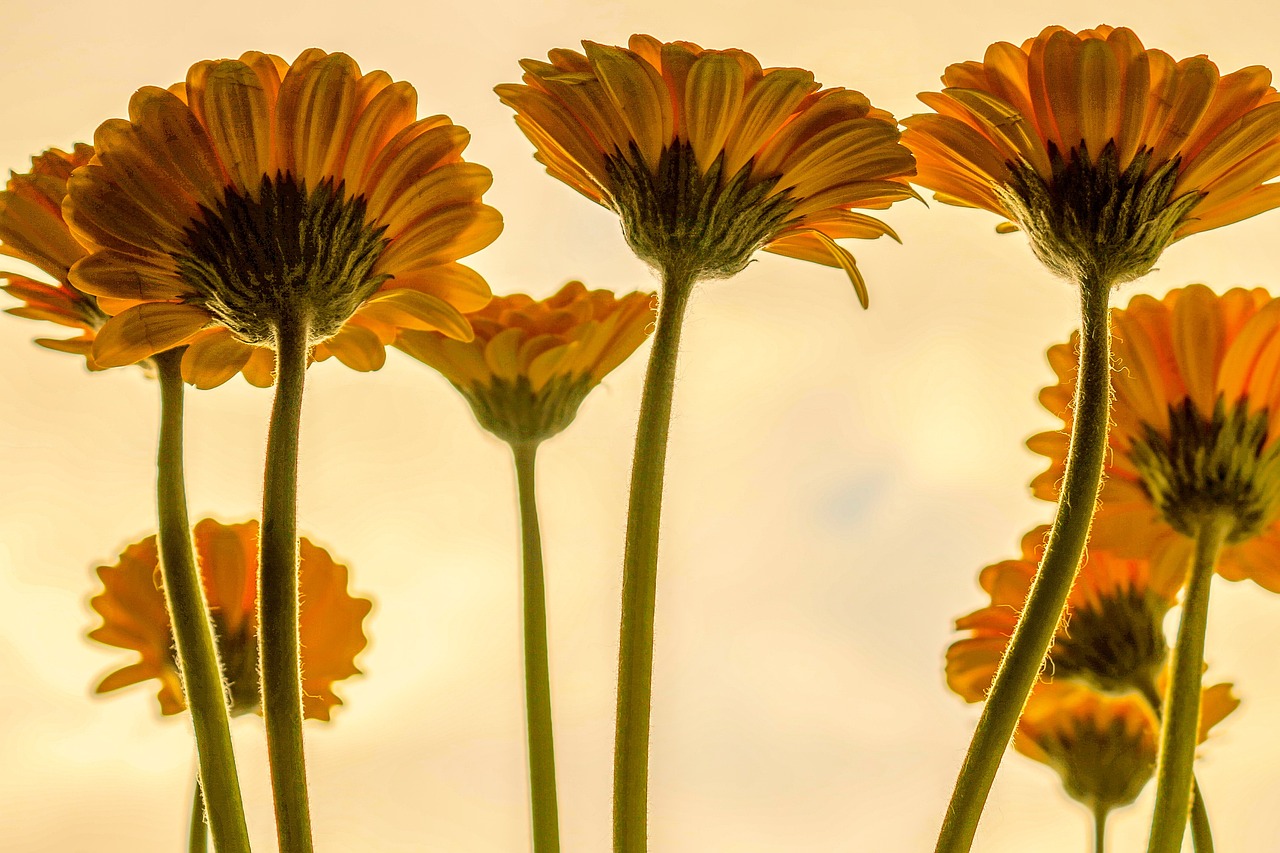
[(836, 480)]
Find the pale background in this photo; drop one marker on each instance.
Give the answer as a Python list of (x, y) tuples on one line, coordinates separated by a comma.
[(836, 480)]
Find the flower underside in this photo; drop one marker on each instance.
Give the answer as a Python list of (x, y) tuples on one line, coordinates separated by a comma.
[(516, 413), (1205, 468), (1102, 763), (284, 255), (1115, 643)]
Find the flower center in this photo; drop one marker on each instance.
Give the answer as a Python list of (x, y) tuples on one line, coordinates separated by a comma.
[(684, 222), (286, 254), (1207, 467), (1102, 763), (1115, 644), (1090, 219), (515, 413)]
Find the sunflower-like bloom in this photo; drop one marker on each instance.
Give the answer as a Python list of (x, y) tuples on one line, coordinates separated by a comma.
[(1111, 637), (532, 363), (259, 193), (1102, 151), (707, 157), (1196, 428), (133, 615), (1103, 747)]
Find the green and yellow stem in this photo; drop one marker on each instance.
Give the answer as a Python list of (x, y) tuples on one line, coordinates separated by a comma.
[(1201, 831), (197, 652), (278, 644), (639, 575), (1180, 724), (537, 673), (197, 833), (1100, 813), (1047, 599)]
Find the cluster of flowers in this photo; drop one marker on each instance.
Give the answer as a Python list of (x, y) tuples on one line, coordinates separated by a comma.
[(262, 215)]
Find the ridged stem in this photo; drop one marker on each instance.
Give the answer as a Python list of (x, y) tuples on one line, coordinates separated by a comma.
[(537, 672), (1047, 599), (278, 645), (197, 652), (1201, 831), (639, 575)]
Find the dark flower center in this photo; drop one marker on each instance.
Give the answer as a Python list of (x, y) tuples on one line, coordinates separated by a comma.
[(1102, 765), (515, 413), (1115, 645)]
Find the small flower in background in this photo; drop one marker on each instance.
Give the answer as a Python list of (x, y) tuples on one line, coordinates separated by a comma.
[(1102, 151), (532, 363), (259, 193), (706, 157), (1196, 423), (133, 617)]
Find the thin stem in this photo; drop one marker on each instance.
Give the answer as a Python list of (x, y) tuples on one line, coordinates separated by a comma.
[(197, 652), (1048, 596), (1180, 726), (278, 645), (1201, 832), (639, 576), (1100, 813), (537, 674), (198, 833)]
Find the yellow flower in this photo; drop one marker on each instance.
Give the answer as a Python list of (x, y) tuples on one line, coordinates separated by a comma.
[(259, 193), (1102, 151), (1196, 422), (1112, 635), (532, 363), (134, 617), (1103, 747), (707, 157)]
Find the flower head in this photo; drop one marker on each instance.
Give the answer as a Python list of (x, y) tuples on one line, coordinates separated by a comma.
[(707, 157), (259, 193), (1102, 151), (532, 363), (1196, 428), (133, 614)]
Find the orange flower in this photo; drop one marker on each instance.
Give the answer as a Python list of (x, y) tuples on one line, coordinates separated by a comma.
[(1196, 423), (707, 157), (259, 192), (1104, 152), (532, 363), (134, 617)]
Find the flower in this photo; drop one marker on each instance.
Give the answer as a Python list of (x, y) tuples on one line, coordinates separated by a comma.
[(532, 363), (1196, 423), (259, 193), (707, 157), (133, 614), (1112, 635), (1102, 151), (1103, 747)]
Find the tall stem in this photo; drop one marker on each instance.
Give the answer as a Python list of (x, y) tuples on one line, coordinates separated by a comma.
[(197, 652), (1100, 813), (639, 576), (537, 674), (1180, 725), (278, 644), (1201, 831), (197, 833), (1047, 599)]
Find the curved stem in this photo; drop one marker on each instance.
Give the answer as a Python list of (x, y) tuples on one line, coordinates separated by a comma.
[(197, 652), (537, 673), (1048, 596), (278, 646), (639, 576), (1201, 832), (1100, 813), (1180, 725), (197, 833)]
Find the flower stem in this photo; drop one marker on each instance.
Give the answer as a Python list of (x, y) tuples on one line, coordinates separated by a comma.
[(1047, 599), (278, 645), (639, 575), (1201, 832), (1100, 813), (537, 675), (198, 834), (1180, 725), (197, 652)]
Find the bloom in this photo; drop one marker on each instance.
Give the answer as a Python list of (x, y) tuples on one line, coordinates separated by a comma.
[(532, 363), (133, 614), (707, 157), (259, 193), (1102, 151), (1196, 423)]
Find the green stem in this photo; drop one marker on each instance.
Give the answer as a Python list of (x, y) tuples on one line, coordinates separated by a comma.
[(1100, 813), (197, 652), (278, 645), (1201, 832), (198, 833), (1180, 726), (639, 575), (1047, 599), (537, 674)]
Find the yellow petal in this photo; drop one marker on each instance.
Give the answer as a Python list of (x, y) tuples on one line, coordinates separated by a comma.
[(413, 309), (712, 101), (145, 330), (212, 357)]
